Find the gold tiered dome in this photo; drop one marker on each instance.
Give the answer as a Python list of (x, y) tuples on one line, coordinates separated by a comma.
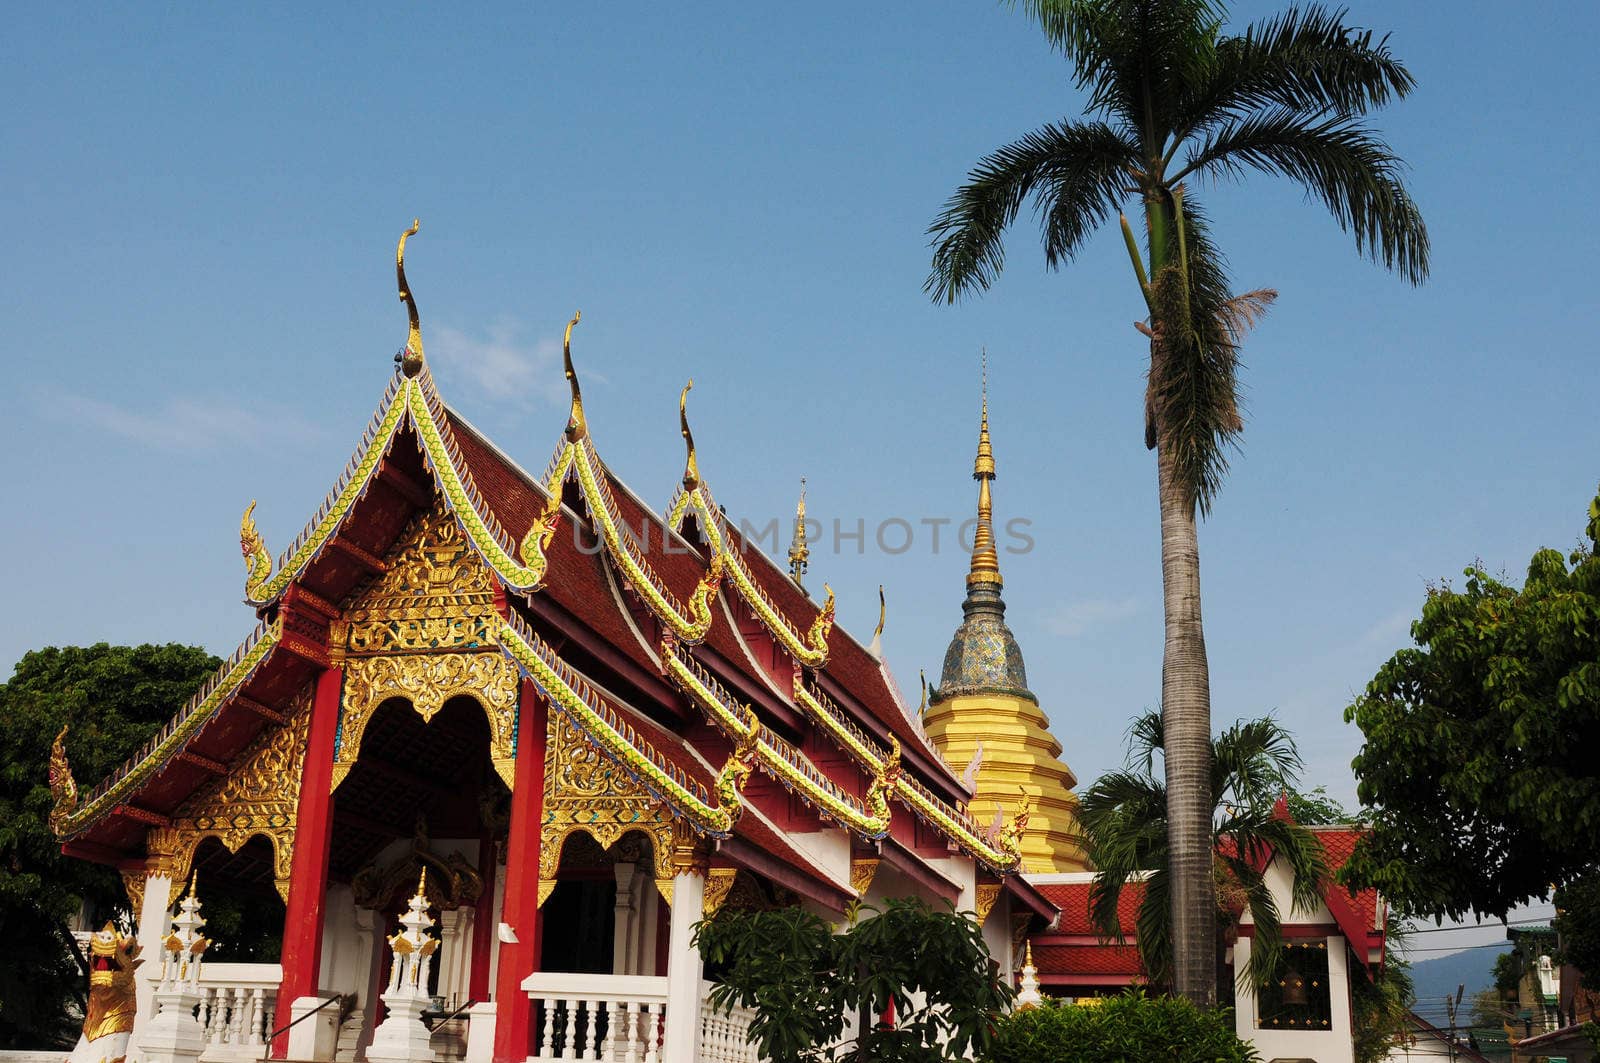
[(983, 710)]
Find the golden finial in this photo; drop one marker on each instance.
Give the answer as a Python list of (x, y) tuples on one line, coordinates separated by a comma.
[(799, 552), (63, 788), (577, 427), (922, 706), (985, 558), (411, 357), (194, 879), (691, 467), (422, 885)]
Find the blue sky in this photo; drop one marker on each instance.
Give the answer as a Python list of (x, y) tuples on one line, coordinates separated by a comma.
[(201, 204)]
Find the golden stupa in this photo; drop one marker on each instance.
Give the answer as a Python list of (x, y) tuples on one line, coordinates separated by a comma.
[(983, 700)]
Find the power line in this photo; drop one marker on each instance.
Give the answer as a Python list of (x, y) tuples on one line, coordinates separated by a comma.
[(1458, 948), (1475, 926)]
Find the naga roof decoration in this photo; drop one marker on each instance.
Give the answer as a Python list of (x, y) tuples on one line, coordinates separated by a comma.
[(810, 648), (573, 695), (410, 401), (68, 817)]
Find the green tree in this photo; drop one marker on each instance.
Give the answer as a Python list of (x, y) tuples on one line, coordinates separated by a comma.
[(805, 982), (1478, 768), (114, 698), (1123, 816), (1176, 101), (1578, 924), (1127, 1027)]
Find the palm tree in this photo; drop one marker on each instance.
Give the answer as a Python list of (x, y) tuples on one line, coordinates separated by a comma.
[(1175, 101), (1124, 818)]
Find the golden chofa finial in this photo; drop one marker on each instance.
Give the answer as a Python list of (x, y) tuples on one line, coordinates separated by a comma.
[(577, 427), (985, 558), (410, 359), (799, 552), (691, 466), (877, 633)]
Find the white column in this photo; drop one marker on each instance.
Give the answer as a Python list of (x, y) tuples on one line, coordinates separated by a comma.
[(622, 951), (153, 926), (1244, 1004), (1339, 992), (684, 970)]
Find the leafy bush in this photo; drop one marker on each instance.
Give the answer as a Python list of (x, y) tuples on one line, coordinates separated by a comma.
[(1129, 1027), (806, 982)]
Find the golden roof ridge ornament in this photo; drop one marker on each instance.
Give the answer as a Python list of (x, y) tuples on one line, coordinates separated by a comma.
[(691, 466), (799, 552), (985, 558), (877, 632), (577, 426), (410, 359)]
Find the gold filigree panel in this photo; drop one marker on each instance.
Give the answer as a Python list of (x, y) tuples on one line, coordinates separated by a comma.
[(427, 681), (586, 791), (421, 631), (259, 797), (988, 893), (862, 871), (435, 594)]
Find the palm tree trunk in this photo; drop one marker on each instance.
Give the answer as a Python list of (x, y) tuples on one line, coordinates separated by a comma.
[(1186, 721)]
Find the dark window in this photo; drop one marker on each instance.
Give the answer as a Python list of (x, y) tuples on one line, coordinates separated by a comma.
[(1298, 999)]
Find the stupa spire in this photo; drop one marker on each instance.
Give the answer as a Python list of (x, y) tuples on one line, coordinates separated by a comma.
[(985, 557)]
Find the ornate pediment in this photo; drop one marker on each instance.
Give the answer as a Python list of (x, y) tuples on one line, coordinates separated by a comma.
[(259, 796)]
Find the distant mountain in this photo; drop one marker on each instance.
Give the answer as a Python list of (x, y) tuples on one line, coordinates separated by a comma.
[(1438, 977)]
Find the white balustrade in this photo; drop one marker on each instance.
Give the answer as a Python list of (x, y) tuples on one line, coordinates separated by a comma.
[(722, 1033), (598, 1017), (237, 1004)]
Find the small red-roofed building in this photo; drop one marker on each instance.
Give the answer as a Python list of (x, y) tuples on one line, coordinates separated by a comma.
[(1307, 1016)]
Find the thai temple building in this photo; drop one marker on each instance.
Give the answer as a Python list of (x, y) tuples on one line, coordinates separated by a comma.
[(499, 739)]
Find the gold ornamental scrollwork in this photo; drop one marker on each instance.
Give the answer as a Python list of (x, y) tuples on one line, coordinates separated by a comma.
[(133, 884), (434, 594), (719, 884), (862, 871), (427, 681), (421, 632), (988, 894), (259, 797), (585, 791)]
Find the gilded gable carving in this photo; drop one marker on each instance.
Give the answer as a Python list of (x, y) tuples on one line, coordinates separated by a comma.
[(259, 796), (421, 631)]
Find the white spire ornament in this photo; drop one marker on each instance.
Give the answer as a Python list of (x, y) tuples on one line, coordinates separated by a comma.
[(174, 1034), (402, 1034), (1028, 995)]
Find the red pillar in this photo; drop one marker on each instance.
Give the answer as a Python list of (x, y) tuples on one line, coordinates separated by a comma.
[(308, 874), (514, 1029), (483, 929)]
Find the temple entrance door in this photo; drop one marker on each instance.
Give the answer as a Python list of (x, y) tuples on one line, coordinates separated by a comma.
[(421, 797), (580, 927)]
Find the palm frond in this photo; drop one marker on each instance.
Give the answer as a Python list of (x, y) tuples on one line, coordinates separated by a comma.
[(1253, 762), (1338, 160), (1305, 59), (1192, 395), (1154, 927), (1146, 736), (1076, 173)]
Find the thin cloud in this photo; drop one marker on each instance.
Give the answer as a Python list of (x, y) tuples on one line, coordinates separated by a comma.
[(178, 423), (1073, 619), (500, 364)]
